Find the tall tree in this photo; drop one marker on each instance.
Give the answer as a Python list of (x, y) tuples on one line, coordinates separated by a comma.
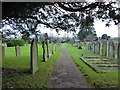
[(59, 15)]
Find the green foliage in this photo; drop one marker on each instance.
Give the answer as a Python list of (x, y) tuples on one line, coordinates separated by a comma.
[(10, 44), (43, 41), (18, 42), (29, 41), (104, 36)]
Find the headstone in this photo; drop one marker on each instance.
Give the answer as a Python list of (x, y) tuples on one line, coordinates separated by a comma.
[(53, 49), (2, 52), (17, 49), (34, 57), (48, 49), (90, 47), (116, 47), (119, 50), (5, 47), (44, 52), (26, 42), (104, 48), (0, 40), (56, 47), (78, 44), (111, 49), (93, 47), (97, 48)]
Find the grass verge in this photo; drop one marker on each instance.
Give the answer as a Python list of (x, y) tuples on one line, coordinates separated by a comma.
[(97, 80), (17, 74)]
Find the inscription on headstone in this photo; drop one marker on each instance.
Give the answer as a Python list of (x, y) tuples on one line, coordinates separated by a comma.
[(34, 57)]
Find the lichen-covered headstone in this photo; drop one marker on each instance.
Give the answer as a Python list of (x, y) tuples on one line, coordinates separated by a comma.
[(2, 52), (34, 57), (111, 49), (48, 49), (17, 50), (44, 51), (104, 48)]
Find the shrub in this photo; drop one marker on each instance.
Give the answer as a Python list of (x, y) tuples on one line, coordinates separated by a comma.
[(29, 42), (10, 44), (18, 42)]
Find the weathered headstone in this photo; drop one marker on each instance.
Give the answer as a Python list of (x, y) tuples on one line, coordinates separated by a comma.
[(0, 40), (5, 47), (116, 47), (34, 57), (90, 47), (104, 48), (26, 42), (111, 49), (17, 50), (48, 49), (53, 48), (78, 44), (119, 50), (97, 48), (44, 52), (93, 47), (2, 52)]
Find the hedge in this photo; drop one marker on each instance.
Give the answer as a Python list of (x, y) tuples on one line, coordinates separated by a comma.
[(15, 43)]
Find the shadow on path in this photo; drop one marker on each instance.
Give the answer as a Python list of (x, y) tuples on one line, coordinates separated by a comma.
[(66, 74)]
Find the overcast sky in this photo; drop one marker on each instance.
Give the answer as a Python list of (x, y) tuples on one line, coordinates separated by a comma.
[(99, 28)]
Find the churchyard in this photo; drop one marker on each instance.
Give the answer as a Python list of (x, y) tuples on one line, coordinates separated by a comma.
[(102, 71), (27, 66), (60, 45)]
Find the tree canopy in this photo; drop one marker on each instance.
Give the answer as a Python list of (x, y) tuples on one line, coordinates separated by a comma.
[(67, 16)]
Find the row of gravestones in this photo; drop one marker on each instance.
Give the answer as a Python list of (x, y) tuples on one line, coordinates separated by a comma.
[(95, 48), (34, 53), (4, 48)]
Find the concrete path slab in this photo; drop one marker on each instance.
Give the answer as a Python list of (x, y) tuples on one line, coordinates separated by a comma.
[(66, 74)]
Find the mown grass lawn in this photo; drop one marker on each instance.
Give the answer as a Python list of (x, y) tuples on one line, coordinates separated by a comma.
[(16, 69), (97, 80)]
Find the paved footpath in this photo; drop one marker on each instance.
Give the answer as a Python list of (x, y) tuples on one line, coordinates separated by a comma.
[(66, 74)]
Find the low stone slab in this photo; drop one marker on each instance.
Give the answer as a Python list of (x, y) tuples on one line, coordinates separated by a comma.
[(108, 68), (93, 59)]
